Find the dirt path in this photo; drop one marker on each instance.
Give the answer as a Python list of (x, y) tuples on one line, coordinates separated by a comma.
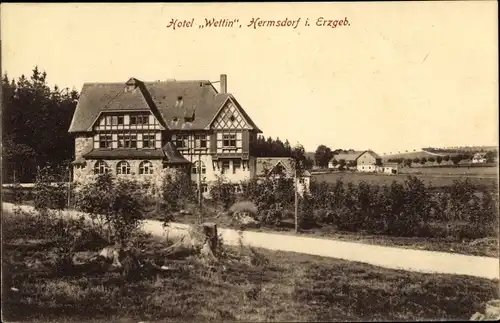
[(388, 257)]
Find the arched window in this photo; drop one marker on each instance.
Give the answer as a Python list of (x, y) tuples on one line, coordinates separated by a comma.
[(101, 167), (145, 168), (196, 165), (123, 168)]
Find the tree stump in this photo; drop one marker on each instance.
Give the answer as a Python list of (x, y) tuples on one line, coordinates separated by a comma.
[(211, 237)]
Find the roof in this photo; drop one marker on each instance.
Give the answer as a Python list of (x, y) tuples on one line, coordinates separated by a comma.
[(390, 164), (198, 98), (354, 155), (266, 164), (480, 155), (79, 161), (374, 154), (125, 153), (350, 156), (168, 153), (173, 156)]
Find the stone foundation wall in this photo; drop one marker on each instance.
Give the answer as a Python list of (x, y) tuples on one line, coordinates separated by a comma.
[(83, 145), (150, 182)]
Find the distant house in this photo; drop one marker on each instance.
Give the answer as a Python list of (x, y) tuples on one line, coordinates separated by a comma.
[(349, 159), (389, 168), (363, 161), (368, 161), (276, 167), (480, 158)]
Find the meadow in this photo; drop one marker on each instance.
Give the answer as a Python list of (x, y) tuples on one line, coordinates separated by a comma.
[(436, 177), (245, 285)]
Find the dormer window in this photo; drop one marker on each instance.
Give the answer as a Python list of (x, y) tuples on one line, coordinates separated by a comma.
[(189, 118), (179, 102), (131, 85)]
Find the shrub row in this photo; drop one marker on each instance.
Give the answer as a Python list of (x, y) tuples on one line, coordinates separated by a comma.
[(412, 208), (404, 209)]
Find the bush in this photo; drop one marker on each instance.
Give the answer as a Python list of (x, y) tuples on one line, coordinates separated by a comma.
[(244, 206), (223, 193), (15, 194), (400, 209), (177, 190), (66, 236), (49, 191), (274, 197), (114, 206)]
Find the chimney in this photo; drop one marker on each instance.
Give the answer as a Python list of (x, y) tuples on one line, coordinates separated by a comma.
[(223, 83)]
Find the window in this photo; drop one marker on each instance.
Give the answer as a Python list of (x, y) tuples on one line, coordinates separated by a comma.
[(120, 120), (182, 141), (229, 140), (139, 119), (236, 165), (225, 166), (127, 140), (101, 167), (123, 168), (198, 165), (108, 120), (105, 140), (145, 168), (114, 120), (148, 140), (237, 188), (200, 141)]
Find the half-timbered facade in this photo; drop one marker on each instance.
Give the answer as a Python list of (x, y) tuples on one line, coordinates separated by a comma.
[(137, 129)]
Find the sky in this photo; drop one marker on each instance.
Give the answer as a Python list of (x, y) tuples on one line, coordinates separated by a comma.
[(394, 76)]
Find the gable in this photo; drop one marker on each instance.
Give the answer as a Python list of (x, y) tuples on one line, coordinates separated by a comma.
[(230, 117), (366, 155), (129, 120), (96, 99)]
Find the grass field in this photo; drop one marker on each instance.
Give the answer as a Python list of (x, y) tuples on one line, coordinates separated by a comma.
[(457, 171), (253, 285), (438, 179)]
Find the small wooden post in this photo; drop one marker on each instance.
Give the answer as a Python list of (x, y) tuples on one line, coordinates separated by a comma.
[(200, 196), (69, 187), (296, 203)]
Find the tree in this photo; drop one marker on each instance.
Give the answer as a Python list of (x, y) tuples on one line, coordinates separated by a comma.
[(439, 159), (342, 164), (309, 163), (30, 106), (432, 159), (407, 162), (423, 160), (446, 158), (456, 159), (323, 155), (271, 148), (416, 160)]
